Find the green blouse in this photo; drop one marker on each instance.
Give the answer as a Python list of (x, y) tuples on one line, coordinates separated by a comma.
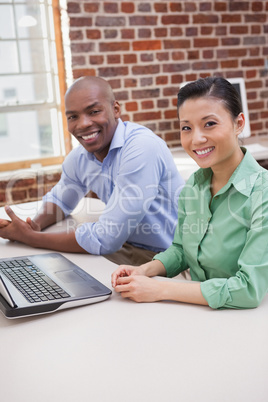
[(224, 239)]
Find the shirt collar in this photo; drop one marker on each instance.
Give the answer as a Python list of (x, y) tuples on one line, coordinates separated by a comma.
[(243, 178), (118, 137)]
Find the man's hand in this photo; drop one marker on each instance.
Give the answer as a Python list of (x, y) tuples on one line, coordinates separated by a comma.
[(16, 229)]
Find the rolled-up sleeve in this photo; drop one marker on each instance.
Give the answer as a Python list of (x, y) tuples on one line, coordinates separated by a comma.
[(248, 286)]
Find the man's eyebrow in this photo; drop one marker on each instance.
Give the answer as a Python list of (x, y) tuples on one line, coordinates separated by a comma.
[(87, 108)]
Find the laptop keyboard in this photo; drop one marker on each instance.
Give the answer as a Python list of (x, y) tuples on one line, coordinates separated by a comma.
[(34, 285)]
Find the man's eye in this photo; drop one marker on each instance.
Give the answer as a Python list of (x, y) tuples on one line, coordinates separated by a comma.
[(92, 112), (72, 117)]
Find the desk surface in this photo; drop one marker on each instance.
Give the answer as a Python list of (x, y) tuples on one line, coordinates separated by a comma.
[(122, 351)]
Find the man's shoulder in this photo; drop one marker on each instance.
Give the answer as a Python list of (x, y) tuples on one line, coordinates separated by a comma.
[(141, 134)]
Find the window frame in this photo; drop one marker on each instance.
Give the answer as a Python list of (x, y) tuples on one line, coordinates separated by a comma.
[(54, 160)]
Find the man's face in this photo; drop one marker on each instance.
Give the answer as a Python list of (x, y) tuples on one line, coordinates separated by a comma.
[(92, 118)]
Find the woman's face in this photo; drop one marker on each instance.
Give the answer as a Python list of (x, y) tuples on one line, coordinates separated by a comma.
[(209, 133)]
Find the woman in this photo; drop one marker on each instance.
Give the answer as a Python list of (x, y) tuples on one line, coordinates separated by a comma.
[(222, 231)]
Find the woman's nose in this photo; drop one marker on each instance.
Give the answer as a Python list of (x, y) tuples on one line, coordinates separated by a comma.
[(198, 137)]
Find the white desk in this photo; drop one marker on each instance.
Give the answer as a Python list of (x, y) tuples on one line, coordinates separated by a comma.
[(122, 351)]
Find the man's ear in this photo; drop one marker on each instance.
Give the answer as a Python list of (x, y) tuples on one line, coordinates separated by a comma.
[(117, 109), (240, 123)]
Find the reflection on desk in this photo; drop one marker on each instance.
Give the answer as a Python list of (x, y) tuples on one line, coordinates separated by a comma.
[(123, 351)]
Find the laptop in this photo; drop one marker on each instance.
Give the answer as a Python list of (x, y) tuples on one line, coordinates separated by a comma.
[(45, 283)]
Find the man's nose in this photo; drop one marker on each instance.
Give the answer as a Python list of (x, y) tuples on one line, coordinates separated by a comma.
[(84, 121)]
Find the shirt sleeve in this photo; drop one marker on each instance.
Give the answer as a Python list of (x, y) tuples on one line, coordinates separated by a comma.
[(69, 190), (173, 258), (136, 186), (250, 284)]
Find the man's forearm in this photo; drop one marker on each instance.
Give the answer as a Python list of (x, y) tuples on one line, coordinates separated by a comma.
[(65, 242), (48, 214)]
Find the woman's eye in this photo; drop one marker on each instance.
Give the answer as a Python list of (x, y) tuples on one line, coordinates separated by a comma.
[(185, 128), (210, 124)]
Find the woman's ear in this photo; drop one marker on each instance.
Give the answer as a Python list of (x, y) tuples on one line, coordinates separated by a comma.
[(240, 123)]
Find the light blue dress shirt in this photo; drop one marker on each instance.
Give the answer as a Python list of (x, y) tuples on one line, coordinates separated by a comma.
[(139, 183)]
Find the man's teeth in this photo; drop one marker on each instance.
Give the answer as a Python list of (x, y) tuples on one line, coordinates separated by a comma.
[(88, 137), (204, 151)]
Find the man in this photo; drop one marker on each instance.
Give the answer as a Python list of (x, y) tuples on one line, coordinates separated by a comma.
[(129, 168)]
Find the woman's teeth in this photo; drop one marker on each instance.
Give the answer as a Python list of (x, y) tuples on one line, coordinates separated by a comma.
[(204, 151)]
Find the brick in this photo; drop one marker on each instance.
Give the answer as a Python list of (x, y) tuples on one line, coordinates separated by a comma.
[(230, 18), (130, 58), (147, 45), (255, 105), (178, 19), (221, 30), (178, 55), (205, 65), (207, 30), (131, 106), (91, 7), (110, 21), (127, 7), (147, 116), (144, 7), (239, 6), (205, 6), (163, 56), (148, 69), (21, 183), (121, 95), (258, 18), (113, 59), (170, 114), (164, 125), (175, 7), (81, 72), (252, 63), (78, 60), (220, 6), (254, 40), (255, 30), (145, 93), (18, 195), (177, 44), (147, 104), (160, 32), (208, 54), (82, 47), (146, 57), (144, 33), (146, 81), (160, 7), (173, 68), (73, 8), (193, 55), (110, 33), (176, 31), (113, 46), (162, 80), (76, 35), (257, 6), (110, 7), (189, 7), (80, 22), (205, 19), (162, 103), (96, 59), (112, 71), (206, 42), (230, 41), (229, 64), (239, 30), (170, 91), (127, 33), (93, 33), (115, 83), (191, 31), (143, 20)]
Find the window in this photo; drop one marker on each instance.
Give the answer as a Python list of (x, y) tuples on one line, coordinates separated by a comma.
[(32, 84)]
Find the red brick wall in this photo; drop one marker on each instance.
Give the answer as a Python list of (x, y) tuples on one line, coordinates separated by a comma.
[(24, 186), (145, 49)]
